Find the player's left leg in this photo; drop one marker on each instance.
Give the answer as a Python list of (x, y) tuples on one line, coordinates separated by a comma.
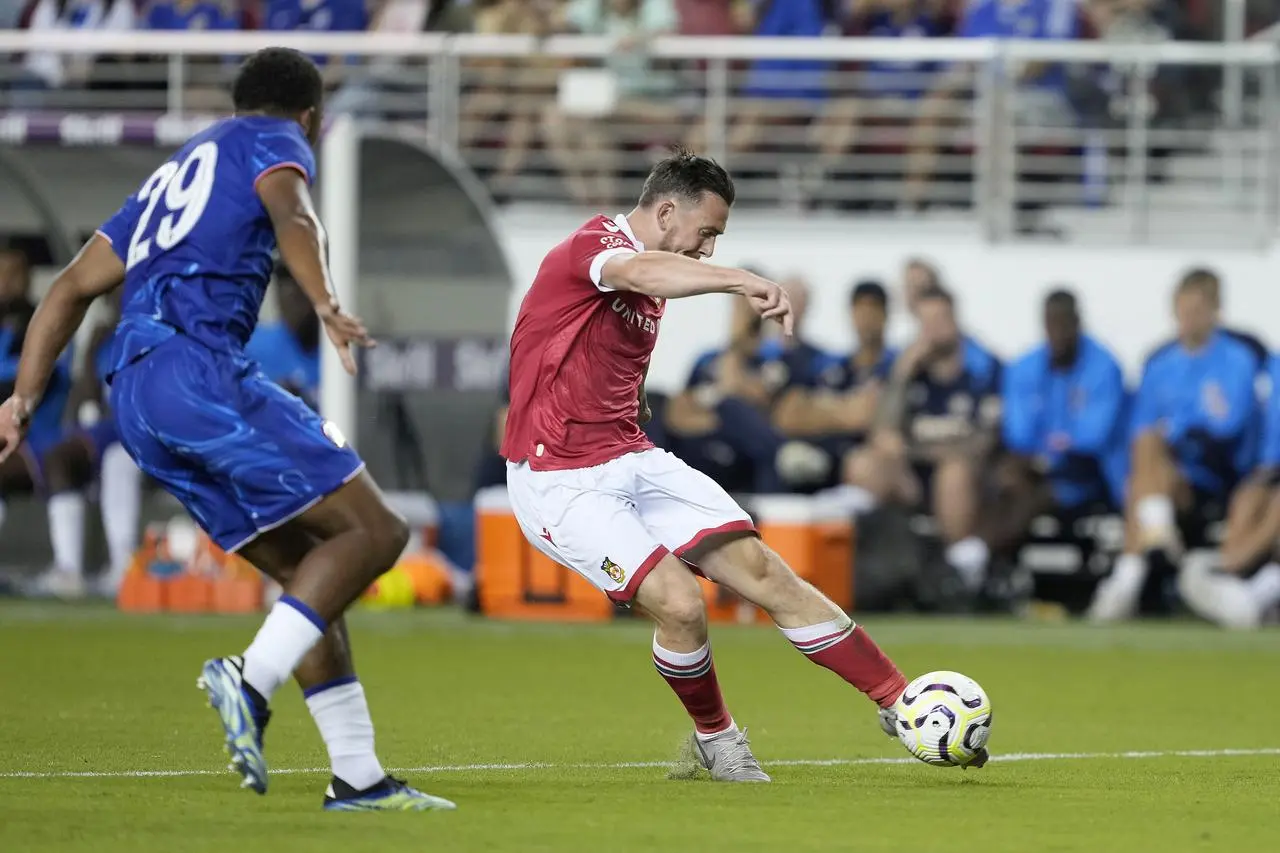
[(955, 506), (336, 699), (685, 507)]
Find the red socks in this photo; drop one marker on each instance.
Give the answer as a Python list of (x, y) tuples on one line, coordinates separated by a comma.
[(692, 676), (844, 648)]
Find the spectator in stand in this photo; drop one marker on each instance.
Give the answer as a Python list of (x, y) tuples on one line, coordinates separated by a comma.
[(883, 90), (1065, 432), (507, 97), (326, 16), (586, 149), (1245, 587), (205, 90), (714, 17), (1194, 436), (835, 407), (786, 91), (41, 70), (1041, 98), (363, 95), (190, 15), (936, 429)]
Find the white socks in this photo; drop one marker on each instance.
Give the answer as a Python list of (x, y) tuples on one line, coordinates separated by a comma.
[(969, 557), (66, 532), (121, 498), (289, 632), (342, 716), (1156, 514)]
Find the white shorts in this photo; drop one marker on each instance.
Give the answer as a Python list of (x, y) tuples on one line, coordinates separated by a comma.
[(613, 523)]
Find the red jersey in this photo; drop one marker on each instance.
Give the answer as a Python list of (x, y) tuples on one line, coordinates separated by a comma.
[(578, 355)]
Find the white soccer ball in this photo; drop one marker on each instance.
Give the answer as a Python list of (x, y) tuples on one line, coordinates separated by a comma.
[(944, 718)]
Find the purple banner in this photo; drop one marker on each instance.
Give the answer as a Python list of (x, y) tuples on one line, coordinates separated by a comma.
[(96, 129), (434, 364)]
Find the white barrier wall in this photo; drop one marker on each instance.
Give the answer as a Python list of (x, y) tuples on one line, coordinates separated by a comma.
[(1125, 293)]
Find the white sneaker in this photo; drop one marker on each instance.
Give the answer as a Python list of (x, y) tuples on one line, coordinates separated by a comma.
[(58, 583), (1223, 599), (1116, 598)]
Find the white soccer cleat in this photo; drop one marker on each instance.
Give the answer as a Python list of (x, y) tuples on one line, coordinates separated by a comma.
[(727, 756), (60, 584), (889, 722)]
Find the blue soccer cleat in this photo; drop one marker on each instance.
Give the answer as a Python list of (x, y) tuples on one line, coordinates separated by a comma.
[(389, 795), (223, 680)]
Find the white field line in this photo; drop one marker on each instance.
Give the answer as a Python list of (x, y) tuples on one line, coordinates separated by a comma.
[(628, 765)]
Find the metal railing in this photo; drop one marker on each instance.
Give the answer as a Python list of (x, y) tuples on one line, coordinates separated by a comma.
[(1140, 143)]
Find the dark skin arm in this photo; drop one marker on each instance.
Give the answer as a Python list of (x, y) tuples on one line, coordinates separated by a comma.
[(95, 271), (304, 250)]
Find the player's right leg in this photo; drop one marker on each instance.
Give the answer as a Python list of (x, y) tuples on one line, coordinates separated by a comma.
[(335, 697), (580, 519)]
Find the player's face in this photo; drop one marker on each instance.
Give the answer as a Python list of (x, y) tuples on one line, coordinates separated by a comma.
[(1196, 314), (869, 320), (798, 293), (690, 228), (938, 327), (916, 279), (14, 278), (1062, 329)]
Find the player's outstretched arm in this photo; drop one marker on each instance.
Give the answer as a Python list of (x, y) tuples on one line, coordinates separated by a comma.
[(669, 276), (93, 272), (301, 239)]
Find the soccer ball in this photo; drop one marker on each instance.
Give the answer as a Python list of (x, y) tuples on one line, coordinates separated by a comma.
[(944, 718)]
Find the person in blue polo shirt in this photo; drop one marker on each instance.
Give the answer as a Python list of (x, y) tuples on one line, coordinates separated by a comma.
[(1064, 430), (190, 15), (288, 350), (1194, 435)]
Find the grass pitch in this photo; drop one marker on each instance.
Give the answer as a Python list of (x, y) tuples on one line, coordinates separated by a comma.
[(555, 738)]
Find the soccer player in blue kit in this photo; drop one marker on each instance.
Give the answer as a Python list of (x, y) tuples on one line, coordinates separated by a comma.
[(261, 473)]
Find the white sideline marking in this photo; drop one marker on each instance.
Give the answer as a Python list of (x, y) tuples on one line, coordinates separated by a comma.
[(628, 765)]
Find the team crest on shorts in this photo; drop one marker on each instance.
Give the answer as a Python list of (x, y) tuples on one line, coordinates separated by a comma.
[(334, 434), (613, 570)]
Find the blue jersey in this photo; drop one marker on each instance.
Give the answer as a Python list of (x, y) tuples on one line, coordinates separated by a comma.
[(1270, 455), (197, 242), (194, 16), (284, 360), (779, 366), (944, 411), (846, 374), (1023, 19), (1205, 405), (1073, 418)]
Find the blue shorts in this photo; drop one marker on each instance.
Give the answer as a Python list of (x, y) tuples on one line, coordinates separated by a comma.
[(242, 454)]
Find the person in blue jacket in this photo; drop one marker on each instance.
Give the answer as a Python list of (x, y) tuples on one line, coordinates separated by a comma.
[(1194, 436), (1064, 430), (1244, 583)]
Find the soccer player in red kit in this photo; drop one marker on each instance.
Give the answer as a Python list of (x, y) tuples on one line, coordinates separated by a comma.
[(593, 493)]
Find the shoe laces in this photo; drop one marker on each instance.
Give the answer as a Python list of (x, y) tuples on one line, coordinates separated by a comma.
[(737, 756)]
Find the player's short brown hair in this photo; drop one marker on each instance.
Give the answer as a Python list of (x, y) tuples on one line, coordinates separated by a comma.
[(688, 176)]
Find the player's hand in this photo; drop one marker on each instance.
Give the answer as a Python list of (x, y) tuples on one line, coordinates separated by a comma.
[(15, 417), (345, 331), (770, 301)]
